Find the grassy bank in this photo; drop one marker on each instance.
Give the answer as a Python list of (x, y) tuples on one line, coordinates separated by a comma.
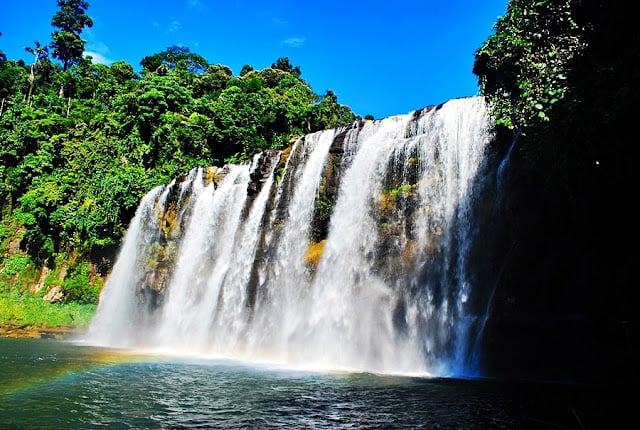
[(30, 310)]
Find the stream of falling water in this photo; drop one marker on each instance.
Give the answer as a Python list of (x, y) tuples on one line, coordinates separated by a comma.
[(390, 292)]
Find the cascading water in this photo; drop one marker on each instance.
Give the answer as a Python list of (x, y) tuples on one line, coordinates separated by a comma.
[(353, 253)]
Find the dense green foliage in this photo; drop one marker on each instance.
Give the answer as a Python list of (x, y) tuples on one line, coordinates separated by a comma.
[(523, 66), (71, 19), (81, 143), (567, 74), (33, 311)]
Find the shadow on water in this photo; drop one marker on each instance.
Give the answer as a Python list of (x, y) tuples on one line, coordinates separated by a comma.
[(561, 405)]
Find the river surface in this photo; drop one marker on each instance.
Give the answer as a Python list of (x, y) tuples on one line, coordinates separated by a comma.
[(52, 384)]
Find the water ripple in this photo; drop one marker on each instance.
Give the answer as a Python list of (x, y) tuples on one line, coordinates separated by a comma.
[(157, 393)]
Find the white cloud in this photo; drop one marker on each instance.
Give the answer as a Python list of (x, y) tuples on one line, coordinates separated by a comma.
[(97, 58), (294, 42), (99, 53), (97, 50), (100, 47)]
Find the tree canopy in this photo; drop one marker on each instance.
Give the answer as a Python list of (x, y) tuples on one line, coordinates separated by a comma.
[(566, 73), (523, 66), (71, 19), (73, 168), (175, 56)]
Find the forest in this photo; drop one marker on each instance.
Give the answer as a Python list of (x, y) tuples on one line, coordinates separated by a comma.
[(83, 142)]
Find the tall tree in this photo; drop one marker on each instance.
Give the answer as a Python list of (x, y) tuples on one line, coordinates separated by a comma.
[(39, 53), (71, 19)]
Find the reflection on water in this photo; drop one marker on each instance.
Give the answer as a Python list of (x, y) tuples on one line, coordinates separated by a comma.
[(60, 385)]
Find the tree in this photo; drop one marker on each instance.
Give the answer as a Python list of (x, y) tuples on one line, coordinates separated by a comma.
[(71, 20), (522, 68), (13, 80), (39, 53), (151, 63), (246, 69), (213, 82), (122, 72), (329, 113), (173, 56), (283, 64)]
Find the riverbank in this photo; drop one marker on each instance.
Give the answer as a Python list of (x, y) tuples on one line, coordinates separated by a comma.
[(29, 316), (29, 331)]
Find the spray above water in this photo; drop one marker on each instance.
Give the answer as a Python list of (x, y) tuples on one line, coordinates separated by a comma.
[(350, 250)]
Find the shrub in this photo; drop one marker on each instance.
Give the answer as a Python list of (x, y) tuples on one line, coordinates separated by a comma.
[(77, 286)]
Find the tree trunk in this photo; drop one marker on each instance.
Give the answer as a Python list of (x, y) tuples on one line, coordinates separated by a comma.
[(31, 79)]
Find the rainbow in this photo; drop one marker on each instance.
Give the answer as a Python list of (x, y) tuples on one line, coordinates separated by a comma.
[(53, 371)]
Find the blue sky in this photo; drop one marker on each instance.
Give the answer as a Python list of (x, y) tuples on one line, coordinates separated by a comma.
[(380, 57)]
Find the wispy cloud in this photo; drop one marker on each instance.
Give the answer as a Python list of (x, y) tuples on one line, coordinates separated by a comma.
[(195, 4), (294, 42), (174, 26), (167, 28)]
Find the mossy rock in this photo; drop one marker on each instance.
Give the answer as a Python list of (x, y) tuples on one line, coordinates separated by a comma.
[(314, 253)]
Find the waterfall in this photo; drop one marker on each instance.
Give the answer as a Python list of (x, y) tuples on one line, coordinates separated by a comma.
[(352, 252)]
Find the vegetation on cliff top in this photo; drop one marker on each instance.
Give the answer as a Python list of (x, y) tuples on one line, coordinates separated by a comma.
[(564, 73), (83, 142)]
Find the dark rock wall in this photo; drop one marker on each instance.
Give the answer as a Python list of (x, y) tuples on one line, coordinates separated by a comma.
[(565, 294)]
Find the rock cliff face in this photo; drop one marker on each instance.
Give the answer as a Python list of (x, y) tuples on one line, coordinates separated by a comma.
[(566, 284), (565, 294)]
